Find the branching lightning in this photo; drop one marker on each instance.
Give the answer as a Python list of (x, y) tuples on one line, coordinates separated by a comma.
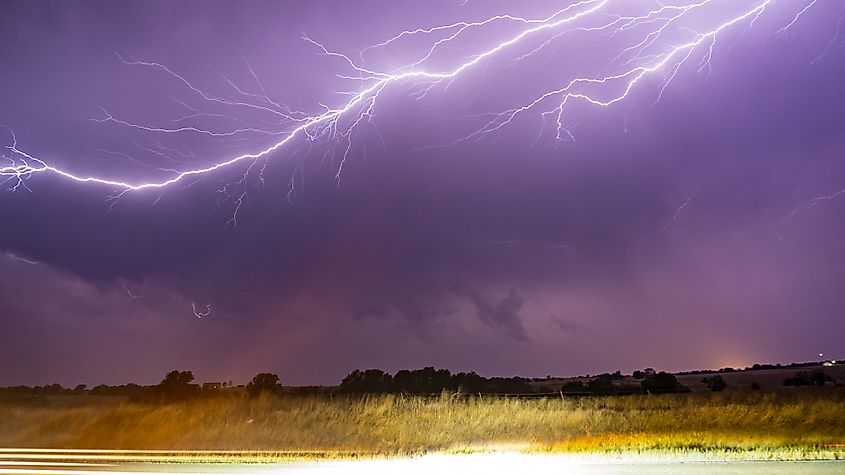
[(651, 38), (200, 314)]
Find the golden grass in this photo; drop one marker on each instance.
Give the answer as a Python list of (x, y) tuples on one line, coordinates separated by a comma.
[(799, 421)]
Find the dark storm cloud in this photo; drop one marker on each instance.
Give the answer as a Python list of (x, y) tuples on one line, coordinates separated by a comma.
[(660, 222), (75, 331), (502, 314), (567, 326)]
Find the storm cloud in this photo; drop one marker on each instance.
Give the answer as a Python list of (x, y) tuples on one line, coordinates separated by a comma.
[(676, 234)]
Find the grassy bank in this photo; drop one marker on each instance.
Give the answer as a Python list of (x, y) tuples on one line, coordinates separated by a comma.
[(797, 421)]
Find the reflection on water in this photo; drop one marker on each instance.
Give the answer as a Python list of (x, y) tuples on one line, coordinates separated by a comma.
[(45, 462)]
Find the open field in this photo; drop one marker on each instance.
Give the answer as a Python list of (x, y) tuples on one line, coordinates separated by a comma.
[(790, 424)]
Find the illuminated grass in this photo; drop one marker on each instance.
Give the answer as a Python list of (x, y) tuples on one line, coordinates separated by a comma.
[(790, 424)]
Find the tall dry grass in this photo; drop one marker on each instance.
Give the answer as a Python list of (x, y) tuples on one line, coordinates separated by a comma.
[(802, 419)]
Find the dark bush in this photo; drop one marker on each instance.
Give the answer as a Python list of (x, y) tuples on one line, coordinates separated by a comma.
[(805, 378), (715, 383), (574, 387), (662, 382), (602, 384)]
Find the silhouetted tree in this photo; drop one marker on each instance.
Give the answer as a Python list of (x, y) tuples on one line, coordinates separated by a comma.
[(423, 381), (368, 381), (99, 390), (130, 389), (263, 383), (661, 382), (515, 385), (177, 386), (50, 389), (430, 381), (468, 382), (177, 378)]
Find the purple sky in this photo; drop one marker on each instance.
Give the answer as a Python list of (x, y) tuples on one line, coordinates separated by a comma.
[(677, 233)]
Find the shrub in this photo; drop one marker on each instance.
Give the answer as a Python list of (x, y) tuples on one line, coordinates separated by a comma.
[(805, 378), (715, 383), (602, 384), (662, 382)]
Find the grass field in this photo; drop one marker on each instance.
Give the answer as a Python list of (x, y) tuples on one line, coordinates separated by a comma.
[(806, 422)]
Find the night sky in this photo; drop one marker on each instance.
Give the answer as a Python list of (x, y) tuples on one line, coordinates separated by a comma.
[(697, 228)]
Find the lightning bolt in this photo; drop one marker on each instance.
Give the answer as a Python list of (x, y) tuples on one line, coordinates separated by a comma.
[(810, 204), (654, 37), (200, 314), (672, 223), (21, 259), (131, 294), (837, 38)]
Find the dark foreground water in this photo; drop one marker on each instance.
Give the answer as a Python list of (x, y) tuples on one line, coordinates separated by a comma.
[(44, 463)]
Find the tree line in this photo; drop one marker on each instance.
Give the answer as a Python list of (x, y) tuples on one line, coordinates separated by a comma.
[(179, 385), (430, 381)]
